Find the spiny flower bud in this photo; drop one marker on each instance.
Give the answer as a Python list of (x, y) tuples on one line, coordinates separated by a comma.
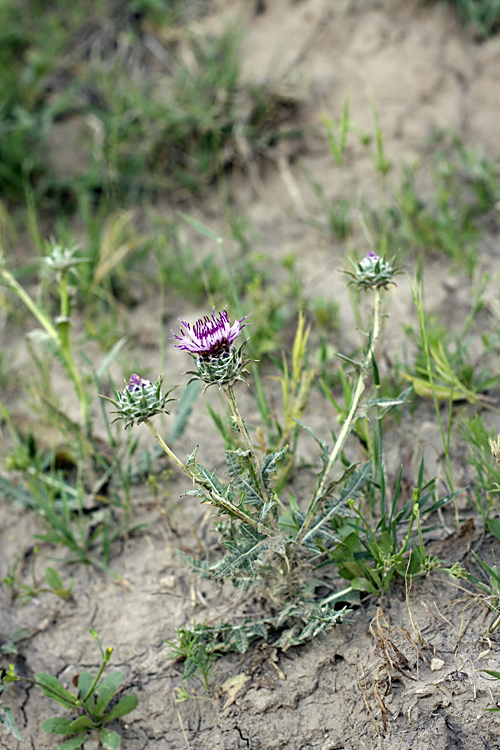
[(372, 272), (61, 260), (210, 341), (140, 400)]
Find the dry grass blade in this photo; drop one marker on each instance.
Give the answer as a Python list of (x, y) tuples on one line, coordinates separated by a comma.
[(363, 691)]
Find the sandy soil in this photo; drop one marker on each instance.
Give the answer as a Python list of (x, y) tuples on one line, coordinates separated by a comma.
[(350, 689)]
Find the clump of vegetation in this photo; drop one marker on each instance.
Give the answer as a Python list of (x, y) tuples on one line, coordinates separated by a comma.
[(90, 703), (153, 107)]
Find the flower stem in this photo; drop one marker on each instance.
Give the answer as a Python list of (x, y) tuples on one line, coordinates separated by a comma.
[(347, 426), (214, 496), (64, 326), (229, 392), (59, 335), (23, 295), (107, 657)]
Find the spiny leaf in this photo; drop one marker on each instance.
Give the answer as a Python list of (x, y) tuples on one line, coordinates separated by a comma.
[(16, 494), (238, 469), (389, 403), (266, 508), (356, 481), (324, 455), (9, 723), (269, 465), (242, 554)]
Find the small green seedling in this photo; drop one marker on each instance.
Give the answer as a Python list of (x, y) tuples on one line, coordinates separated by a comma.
[(194, 648), (27, 591), (90, 703)]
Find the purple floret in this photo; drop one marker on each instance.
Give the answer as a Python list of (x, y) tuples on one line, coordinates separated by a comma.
[(209, 335), (135, 383)]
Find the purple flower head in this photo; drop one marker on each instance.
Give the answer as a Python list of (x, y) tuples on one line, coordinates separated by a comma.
[(209, 335), (371, 256), (135, 383)]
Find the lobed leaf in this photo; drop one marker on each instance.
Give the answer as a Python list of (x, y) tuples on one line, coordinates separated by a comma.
[(9, 723), (243, 553), (269, 466)]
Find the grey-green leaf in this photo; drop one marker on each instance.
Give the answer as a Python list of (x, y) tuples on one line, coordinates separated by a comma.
[(9, 723)]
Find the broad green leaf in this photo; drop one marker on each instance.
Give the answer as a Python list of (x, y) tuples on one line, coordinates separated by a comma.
[(73, 742), (106, 690), (109, 740), (361, 584), (494, 526), (57, 725), (424, 389), (82, 723), (85, 681), (53, 578), (124, 706), (52, 688)]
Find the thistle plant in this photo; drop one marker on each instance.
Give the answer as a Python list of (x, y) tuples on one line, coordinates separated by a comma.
[(267, 539)]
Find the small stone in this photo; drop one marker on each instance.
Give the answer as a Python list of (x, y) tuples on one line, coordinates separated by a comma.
[(167, 582), (437, 664)]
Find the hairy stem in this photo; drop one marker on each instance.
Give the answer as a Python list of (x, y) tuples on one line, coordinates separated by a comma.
[(229, 392), (213, 496), (351, 417)]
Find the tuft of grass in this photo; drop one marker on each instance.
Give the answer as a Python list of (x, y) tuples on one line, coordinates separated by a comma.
[(483, 16), (147, 106)]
